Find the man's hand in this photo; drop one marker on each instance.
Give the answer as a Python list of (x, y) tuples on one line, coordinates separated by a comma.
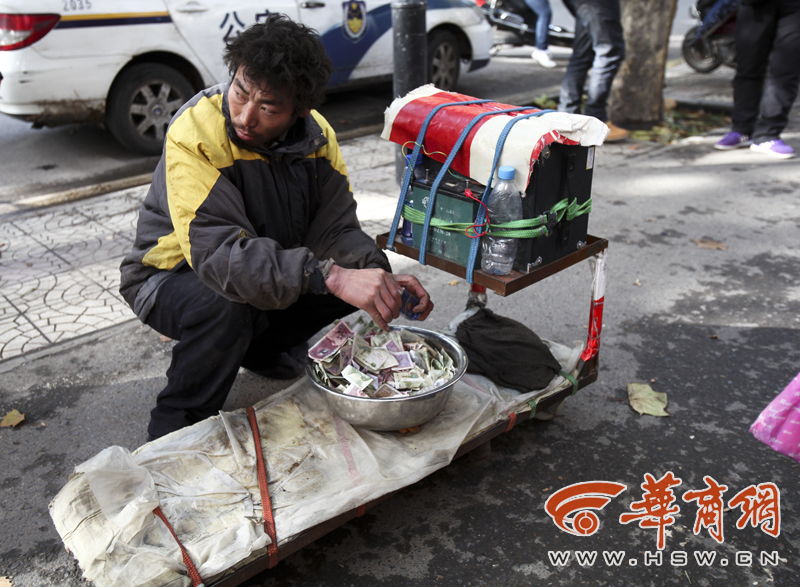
[(377, 292)]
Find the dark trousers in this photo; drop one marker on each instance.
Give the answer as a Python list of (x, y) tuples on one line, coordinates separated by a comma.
[(216, 337), (767, 39), (599, 46)]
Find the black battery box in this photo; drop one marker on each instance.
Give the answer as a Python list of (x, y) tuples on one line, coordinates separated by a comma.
[(562, 172)]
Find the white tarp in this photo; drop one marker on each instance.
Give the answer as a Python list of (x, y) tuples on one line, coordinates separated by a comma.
[(204, 479)]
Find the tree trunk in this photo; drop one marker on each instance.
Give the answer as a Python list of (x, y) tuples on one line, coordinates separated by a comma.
[(637, 93)]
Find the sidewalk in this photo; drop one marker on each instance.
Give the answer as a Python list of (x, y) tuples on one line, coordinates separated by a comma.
[(60, 274)]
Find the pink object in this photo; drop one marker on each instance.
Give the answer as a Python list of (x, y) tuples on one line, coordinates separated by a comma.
[(778, 425)]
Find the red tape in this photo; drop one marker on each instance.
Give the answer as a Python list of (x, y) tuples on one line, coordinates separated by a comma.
[(197, 581), (595, 326), (263, 486), (512, 418)]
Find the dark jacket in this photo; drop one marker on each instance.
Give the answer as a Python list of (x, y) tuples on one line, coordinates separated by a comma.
[(254, 223)]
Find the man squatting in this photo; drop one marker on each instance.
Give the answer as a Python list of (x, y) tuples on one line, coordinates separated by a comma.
[(248, 242)]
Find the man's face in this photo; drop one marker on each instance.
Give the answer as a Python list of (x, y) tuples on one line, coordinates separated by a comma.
[(259, 116)]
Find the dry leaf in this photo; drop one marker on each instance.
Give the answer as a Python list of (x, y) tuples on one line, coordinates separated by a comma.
[(713, 336), (707, 243), (646, 401), (12, 419), (163, 338), (5, 582), (454, 282)]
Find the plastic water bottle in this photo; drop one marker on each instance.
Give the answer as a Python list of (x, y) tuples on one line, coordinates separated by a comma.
[(505, 205), (406, 231)]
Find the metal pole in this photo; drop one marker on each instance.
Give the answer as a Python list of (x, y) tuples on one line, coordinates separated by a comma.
[(410, 56)]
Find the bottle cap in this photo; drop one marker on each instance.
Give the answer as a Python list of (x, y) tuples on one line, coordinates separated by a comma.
[(506, 172)]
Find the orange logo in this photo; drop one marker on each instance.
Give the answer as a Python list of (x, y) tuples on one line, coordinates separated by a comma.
[(571, 506)]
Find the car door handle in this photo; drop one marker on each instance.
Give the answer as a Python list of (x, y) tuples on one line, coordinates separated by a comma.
[(312, 5), (192, 7)]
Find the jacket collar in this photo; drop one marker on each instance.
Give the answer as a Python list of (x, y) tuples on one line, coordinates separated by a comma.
[(302, 139)]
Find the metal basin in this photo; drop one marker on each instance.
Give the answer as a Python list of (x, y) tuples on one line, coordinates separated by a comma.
[(397, 413)]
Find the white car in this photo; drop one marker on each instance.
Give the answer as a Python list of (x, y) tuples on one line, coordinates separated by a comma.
[(133, 63)]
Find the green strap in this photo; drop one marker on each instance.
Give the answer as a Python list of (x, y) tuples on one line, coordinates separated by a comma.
[(526, 228), (574, 381)]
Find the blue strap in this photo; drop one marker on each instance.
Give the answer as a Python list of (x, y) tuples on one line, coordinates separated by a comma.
[(445, 167), (473, 249), (410, 168)]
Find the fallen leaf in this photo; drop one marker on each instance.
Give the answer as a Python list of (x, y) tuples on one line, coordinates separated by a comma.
[(714, 336), (12, 419), (163, 338), (637, 283), (412, 430), (646, 401), (707, 243), (454, 282)]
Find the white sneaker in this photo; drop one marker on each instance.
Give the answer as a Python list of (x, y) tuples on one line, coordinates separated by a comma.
[(543, 58)]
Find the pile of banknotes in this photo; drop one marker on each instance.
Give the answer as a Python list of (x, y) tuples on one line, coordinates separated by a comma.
[(364, 361)]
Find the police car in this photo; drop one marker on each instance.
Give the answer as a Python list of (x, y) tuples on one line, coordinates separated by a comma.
[(133, 63)]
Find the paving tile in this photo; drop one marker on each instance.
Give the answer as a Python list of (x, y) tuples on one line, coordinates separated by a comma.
[(18, 335)]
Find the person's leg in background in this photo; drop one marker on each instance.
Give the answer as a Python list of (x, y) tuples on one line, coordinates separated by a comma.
[(543, 17), (781, 85), (602, 19), (578, 67), (755, 31)]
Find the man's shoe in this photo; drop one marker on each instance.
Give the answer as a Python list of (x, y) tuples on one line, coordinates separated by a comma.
[(775, 148), (616, 133), (543, 58), (732, 140)]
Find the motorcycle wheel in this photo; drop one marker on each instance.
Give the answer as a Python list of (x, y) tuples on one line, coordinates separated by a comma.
[(698, 54)]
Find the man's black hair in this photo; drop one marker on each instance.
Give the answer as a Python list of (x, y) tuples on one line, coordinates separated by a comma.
[(286, 57)]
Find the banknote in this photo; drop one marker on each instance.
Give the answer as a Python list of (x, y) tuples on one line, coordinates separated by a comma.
[(353, 389), (403, 361), (393, 347), (331, 342), (388, 391), (356, 377)]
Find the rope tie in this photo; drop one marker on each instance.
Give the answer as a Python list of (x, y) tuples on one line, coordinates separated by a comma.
[(263, 486), (409, 174)]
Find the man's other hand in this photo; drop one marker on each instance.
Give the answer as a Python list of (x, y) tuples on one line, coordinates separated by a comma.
[(377, 292)]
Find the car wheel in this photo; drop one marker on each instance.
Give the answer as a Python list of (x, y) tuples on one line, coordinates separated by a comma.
[(141, 103), (444, 60)]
